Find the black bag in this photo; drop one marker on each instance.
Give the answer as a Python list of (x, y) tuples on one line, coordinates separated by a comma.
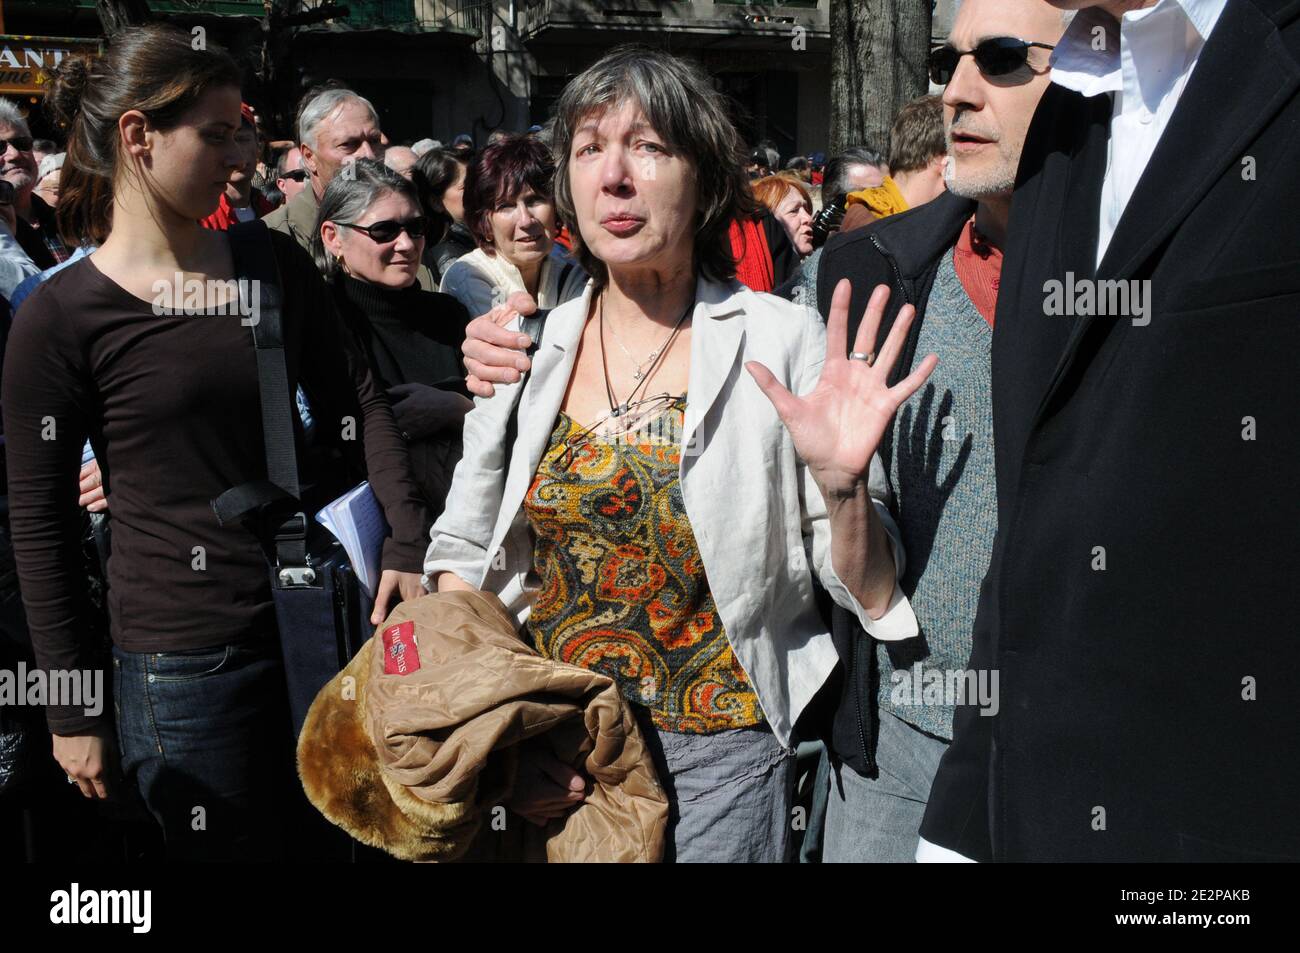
[(322, 611)]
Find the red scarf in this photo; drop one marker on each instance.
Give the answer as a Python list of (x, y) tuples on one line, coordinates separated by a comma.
[(754, 266)]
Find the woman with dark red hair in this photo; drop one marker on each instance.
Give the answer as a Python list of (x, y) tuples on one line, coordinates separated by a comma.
[(510, 210)]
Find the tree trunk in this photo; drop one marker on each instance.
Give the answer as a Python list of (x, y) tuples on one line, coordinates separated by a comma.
[(878, 54), (118, 15)]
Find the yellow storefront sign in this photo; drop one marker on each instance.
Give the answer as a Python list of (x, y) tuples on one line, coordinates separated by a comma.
[(26, 61)]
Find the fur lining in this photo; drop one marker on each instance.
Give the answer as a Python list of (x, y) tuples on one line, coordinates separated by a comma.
[(341, 776)]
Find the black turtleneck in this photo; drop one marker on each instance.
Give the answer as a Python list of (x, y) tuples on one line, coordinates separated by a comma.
[(411, 336), (412, 339)]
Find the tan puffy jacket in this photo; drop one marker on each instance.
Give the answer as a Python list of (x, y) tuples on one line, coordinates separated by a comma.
[(412, 747)]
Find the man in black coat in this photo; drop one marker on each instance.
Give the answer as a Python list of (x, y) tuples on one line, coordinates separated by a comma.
[(1140, 602)]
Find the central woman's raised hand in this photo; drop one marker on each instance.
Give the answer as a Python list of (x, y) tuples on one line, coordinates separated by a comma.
[(838, 426)]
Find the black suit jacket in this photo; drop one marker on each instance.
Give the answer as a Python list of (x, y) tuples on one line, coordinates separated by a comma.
[(1148, 709)]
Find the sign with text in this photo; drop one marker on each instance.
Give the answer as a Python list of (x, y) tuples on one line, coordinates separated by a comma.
[(26, 61)]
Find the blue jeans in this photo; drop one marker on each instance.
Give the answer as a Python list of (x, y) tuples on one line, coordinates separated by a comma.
[(204, 735), (878, 820)]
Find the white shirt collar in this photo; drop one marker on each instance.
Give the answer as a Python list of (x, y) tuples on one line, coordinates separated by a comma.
[(1078, 65)]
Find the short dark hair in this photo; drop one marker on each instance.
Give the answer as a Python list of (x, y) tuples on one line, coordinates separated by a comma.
[(433, 174), (500, 174), (44, 145), (917, 136), (835, 183)]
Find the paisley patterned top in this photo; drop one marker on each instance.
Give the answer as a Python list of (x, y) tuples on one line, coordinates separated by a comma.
[(623, 590)]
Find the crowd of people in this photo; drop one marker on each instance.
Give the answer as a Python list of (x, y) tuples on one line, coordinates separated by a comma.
[(796, 468)]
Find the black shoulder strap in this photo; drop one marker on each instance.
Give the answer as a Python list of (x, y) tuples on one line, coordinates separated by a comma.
[(533, 327), (261, 296)]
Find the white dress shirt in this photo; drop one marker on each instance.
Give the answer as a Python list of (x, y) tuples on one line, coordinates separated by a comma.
[(1144, 60)]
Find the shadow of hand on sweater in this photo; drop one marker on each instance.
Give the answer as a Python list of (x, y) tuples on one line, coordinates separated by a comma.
[(923, 495)]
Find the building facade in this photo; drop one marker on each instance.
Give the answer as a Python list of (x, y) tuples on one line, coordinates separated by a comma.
[(444, 67)]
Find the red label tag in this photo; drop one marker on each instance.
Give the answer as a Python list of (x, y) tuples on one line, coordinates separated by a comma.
[(401, 656)]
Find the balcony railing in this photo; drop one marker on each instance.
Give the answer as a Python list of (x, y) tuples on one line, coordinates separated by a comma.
[(247, 8), (704, 15), (411, 16)]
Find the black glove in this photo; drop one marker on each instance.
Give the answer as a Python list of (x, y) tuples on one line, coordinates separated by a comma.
[(422, 410)]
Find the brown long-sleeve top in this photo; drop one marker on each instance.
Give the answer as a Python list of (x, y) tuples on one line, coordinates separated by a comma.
[(171, 406)]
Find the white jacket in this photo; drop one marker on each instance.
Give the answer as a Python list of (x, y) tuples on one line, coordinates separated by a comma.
[(752, 503), (479, 281)]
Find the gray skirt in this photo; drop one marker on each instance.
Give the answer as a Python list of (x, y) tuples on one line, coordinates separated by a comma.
[(730, 794)]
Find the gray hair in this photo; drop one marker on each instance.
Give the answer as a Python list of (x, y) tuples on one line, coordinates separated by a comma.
[(425, 145), (348, 196), (10, 116), (1067, 16), (836, 182), (321, 104), (681, 103), (51, 163)]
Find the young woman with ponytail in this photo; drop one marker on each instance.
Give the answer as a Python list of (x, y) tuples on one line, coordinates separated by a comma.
[(170, 403)]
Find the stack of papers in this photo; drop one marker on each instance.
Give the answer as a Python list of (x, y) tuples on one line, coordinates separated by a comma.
[(358, 523)]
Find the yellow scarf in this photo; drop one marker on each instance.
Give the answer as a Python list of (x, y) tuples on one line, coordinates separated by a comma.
[(884, 200)]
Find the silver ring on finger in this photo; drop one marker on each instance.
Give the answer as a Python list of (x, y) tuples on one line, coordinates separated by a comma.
[(869, 359)]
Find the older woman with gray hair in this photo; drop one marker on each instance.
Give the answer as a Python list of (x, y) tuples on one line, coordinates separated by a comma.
[(369, 238), (688, 456)]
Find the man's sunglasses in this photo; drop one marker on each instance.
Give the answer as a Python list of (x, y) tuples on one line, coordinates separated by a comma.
[(388, 230), (21, 143), (996, 56), (295, 175)]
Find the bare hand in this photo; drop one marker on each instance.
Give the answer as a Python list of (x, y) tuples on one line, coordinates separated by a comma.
[(492, 352), (545, 787), (85, 759), (838, 426), (92, 488), (394, 587)]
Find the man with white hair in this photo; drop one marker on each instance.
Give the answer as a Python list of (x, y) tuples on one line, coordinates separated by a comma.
[(47, 178), (400, 159), (37, 232), (335, 126)]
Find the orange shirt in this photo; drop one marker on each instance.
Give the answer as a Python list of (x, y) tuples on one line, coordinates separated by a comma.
[(979, 269)]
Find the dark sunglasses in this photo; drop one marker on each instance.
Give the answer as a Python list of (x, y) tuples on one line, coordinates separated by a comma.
[(21, 143), (296, 175), (388, 230), (996, 56)]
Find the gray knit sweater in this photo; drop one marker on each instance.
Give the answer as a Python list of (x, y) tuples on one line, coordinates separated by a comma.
[(942, 472)]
